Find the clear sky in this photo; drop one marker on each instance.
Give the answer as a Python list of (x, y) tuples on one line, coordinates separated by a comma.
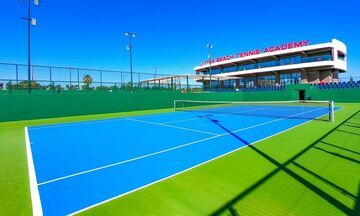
[(171, 35)]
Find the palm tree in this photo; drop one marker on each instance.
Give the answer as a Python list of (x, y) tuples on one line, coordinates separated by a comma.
[(87, 79)]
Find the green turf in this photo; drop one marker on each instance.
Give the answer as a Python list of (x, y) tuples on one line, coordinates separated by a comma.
[(313, 169)]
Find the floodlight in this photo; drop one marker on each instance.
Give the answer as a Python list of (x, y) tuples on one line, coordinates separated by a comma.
[(129, 47), (33, 21), (209, 46)]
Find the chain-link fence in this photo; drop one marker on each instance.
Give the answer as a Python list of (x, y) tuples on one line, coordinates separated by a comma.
[(15, 77)]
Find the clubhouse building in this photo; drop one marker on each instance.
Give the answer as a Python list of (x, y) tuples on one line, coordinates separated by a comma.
[(290, 63)]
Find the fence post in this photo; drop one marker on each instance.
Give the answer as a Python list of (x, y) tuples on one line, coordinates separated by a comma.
[(172, 83), (17, 76), (78, 78), (218, 82), (101, 79), (121, 79), (187, 83), (50, 74), (139, 84), (70, 78)]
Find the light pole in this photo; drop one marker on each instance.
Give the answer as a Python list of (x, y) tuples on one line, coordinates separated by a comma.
[(156, 68), (129, 47), (31, 22), (155, 73), (209, 46)]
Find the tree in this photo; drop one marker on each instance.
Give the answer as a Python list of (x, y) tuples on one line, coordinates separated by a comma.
[(9, 86), (87, 79), (24, 85)]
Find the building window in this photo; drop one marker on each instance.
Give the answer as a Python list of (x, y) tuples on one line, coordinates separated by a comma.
[(291, 78), (341, 56), (246, 82), (213, 71), (266, 80), (229, 69), (290, 60)]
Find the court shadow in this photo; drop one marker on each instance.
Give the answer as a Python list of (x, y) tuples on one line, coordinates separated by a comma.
[(348, 132), (342, 190), (283, 167), (339, 147), (337, 154), (357, 204), (352, 125)]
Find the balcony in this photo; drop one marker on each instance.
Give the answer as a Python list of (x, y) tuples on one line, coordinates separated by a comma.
[(280, 62)]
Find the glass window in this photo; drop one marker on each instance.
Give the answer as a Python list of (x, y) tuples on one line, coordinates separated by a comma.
[(290, 60), (246, 82), (215, 71), (341, 56), (291, 78), (230, 69), (316, 58), (266, 64), (266, 80)]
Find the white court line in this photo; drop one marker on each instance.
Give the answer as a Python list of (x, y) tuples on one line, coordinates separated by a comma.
[(127, 161), (108, 119), (169, 149), (76, 123), (34, 190), (197, 118), (170, 126), (190, 168)]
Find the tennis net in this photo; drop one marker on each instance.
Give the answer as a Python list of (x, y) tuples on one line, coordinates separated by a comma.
[(320, 110)]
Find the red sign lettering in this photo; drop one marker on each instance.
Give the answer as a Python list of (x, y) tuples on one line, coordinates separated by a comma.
[(257, 51)]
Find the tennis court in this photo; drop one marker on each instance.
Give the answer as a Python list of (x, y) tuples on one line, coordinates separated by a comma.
[(83, 164)]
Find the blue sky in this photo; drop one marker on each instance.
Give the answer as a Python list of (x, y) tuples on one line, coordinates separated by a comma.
[(171, 35)]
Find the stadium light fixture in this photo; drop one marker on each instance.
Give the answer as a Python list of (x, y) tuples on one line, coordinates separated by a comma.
[(129, 47), (31, 22), (209, 46)]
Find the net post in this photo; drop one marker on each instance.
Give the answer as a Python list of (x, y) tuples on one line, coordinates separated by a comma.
[(174, 105), (331, 111)]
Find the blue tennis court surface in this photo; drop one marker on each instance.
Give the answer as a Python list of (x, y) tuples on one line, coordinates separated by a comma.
[(79, 165)]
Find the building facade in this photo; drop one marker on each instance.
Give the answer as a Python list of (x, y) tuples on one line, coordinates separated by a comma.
[(289, 63)]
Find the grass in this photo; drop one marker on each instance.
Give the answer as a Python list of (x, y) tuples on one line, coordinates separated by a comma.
[(313, 169)]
